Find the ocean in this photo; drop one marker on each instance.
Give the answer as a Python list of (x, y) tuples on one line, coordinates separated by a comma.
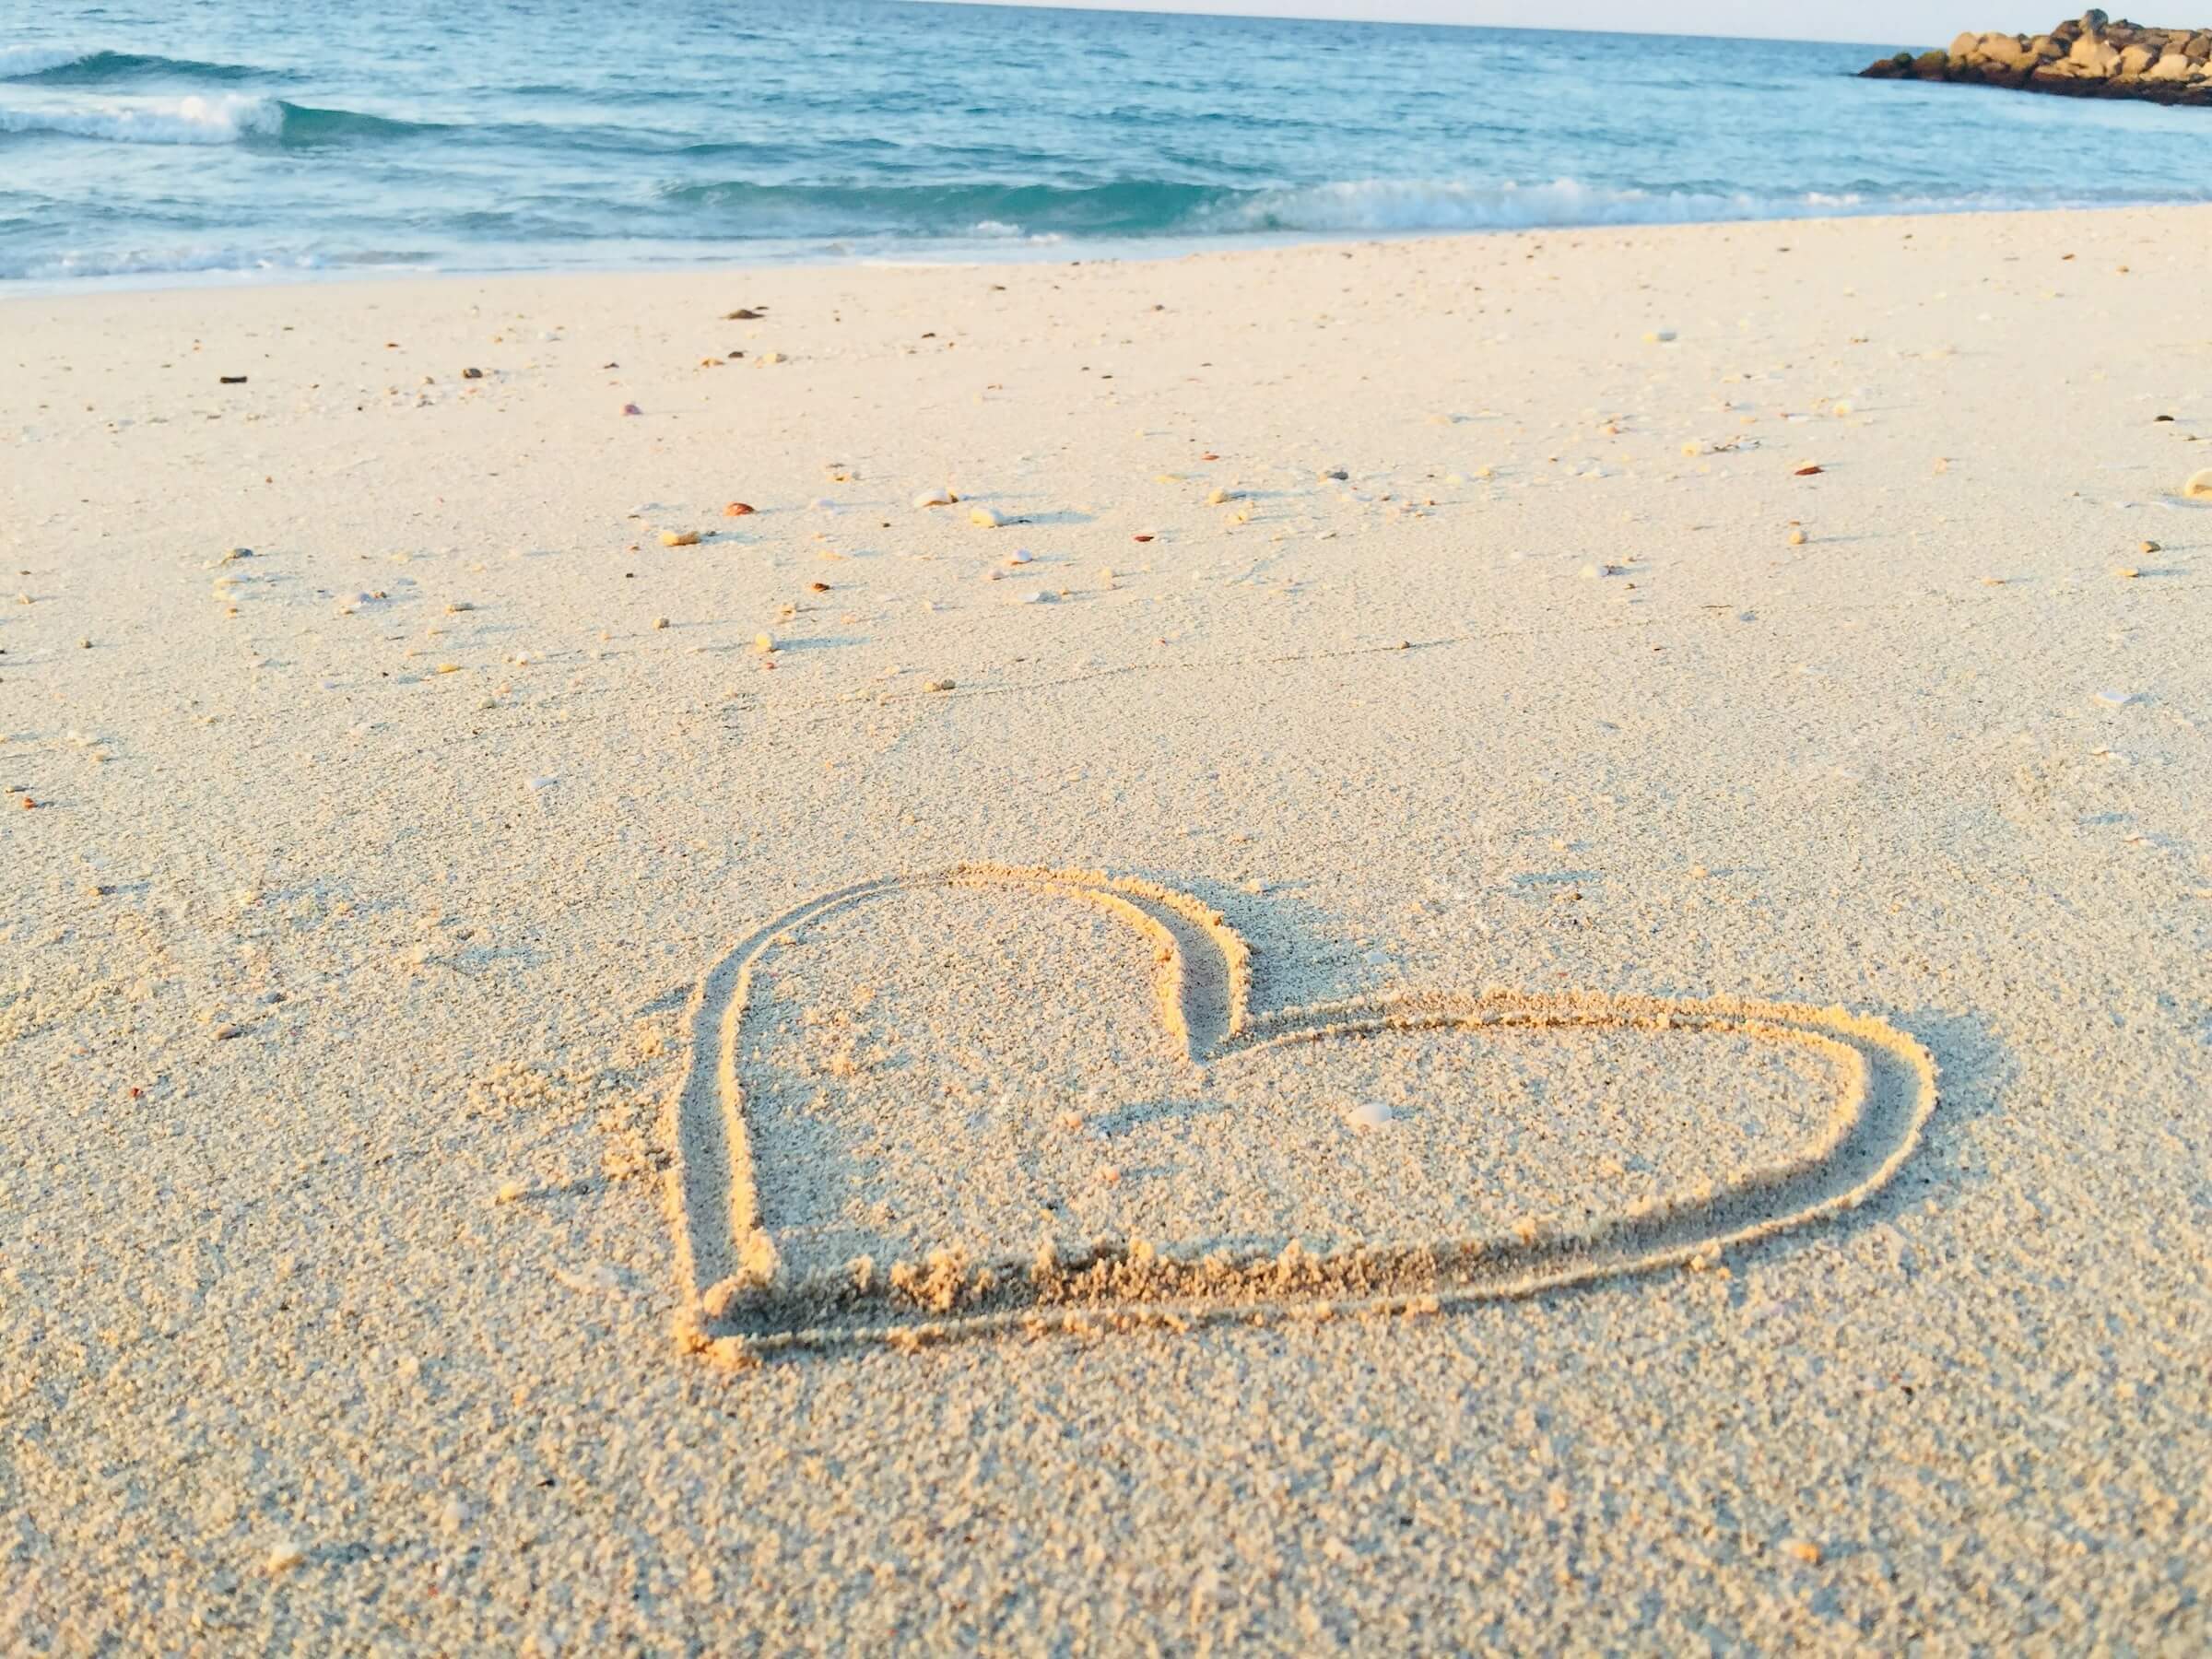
[(261, 138)]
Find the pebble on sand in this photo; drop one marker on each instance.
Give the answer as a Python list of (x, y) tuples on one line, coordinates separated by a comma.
[(2199, 488), (935, 498), (284, 1555), (631, 409), (985, 518), (680, 538)]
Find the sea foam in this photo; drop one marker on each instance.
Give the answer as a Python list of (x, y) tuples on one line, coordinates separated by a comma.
[(225, 118)]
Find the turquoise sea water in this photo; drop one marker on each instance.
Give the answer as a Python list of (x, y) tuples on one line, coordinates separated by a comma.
[(270, 136)]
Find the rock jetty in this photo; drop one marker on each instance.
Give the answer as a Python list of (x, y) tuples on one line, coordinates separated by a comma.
[(2091, 57)]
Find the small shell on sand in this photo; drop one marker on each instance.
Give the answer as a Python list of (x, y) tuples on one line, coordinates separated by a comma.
[(2117, 699), (2126, 572), (283, 1557), (935, 498), (1797, 538), (660, 622), (986, 518), (2199, 488), (737, 510), (680, 538), (1369, 1114), (1020, 555), (765, 643), (938, 685), (1660, 336), (1219, 497), (631, 409)]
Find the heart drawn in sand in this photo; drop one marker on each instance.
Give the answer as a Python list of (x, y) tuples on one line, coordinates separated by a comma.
[(744, 1296)]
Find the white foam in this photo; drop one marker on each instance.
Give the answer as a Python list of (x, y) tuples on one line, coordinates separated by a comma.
[(223, 119), (1400, 205), (71, 263)]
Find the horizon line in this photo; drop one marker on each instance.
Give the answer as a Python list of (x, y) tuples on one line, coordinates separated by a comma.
[(1257, 11)]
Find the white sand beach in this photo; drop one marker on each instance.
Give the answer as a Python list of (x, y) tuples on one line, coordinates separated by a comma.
[(1685, 677)]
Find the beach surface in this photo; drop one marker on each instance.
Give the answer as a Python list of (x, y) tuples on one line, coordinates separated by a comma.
[(436, 1127)]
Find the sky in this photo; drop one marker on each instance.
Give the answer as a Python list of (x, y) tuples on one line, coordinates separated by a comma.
[(1905, 23)]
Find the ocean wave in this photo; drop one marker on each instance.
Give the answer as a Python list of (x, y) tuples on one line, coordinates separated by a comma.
[(1391, 206), (18, 61), (197, 260), (742, 208), (220, 118), (89, 67), (76, 66), (1140, 208)]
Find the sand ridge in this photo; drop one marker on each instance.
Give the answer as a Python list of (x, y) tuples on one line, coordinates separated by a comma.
[(738, 1301)]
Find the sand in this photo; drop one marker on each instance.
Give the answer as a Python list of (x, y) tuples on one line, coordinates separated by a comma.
[(371, 945)]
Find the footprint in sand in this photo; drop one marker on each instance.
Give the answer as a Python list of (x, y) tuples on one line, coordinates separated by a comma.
[(998, 1099)]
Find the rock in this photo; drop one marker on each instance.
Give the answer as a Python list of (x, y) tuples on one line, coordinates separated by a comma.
[(2092, 52), (2090, 56)]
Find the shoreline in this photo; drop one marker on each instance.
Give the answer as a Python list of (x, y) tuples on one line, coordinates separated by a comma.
[(1161, 250)]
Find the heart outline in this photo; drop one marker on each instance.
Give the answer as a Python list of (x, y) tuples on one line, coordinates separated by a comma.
[(737, 1305)]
